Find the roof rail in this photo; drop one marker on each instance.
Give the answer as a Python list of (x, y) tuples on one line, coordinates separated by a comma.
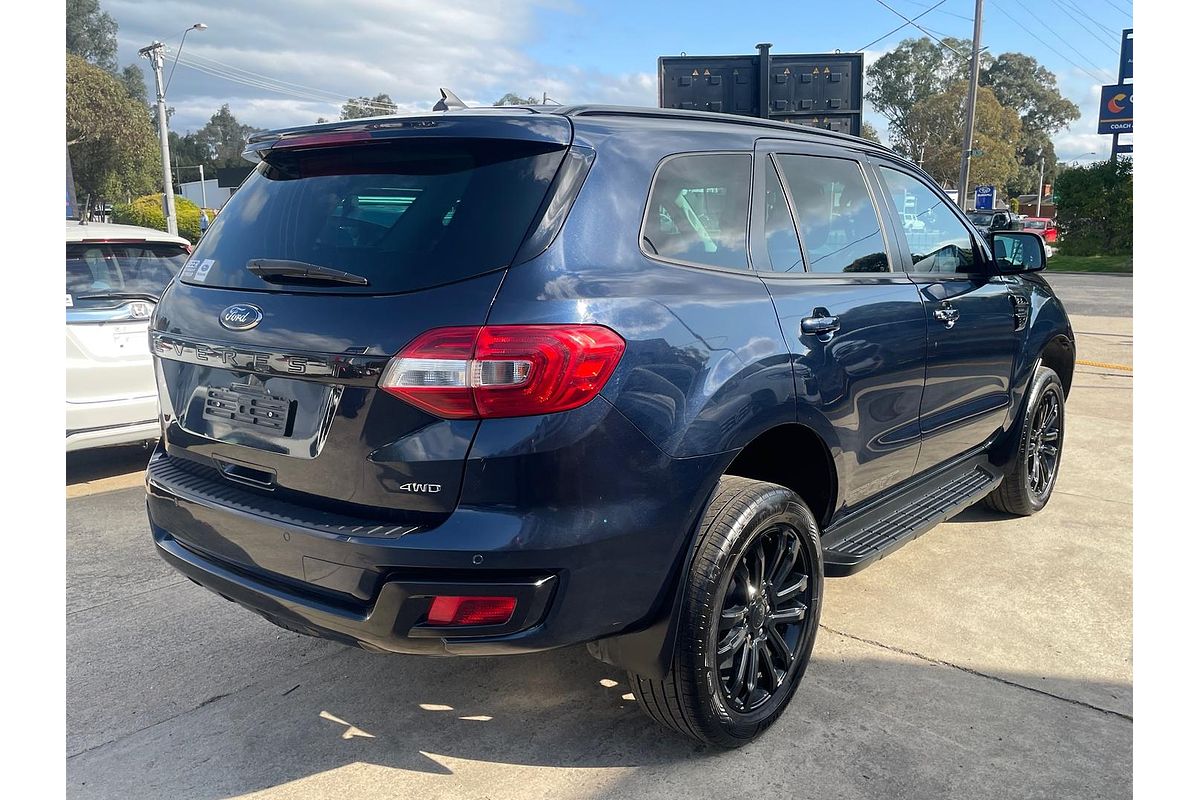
[(711, 116)]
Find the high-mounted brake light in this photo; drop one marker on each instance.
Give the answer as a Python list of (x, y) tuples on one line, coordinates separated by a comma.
[(503, 370), (321, 139)]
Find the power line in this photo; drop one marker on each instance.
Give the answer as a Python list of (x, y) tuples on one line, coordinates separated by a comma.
[(244, 77), (900, 27), (1057, 35), (1051, 47), (947, 12), (1123, 11), (922, 30), (1106, 40), (1100, 25)]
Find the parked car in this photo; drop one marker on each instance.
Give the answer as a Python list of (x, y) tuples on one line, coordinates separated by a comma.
[(998, 220), (1043, 226), (912, 222), (115, 275), (518, 411)]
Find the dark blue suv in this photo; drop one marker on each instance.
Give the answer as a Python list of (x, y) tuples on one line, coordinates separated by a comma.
[(495, 381)]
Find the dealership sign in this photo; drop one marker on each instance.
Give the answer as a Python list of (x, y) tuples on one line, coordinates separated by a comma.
[(985, 197), (1116, 108)]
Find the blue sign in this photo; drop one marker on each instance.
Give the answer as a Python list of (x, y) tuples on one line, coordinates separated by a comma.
[(1126, 70), (1116, 108), (985, 197)]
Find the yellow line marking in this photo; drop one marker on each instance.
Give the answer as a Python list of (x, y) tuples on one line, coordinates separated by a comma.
[(109, 484), (1105, 365)]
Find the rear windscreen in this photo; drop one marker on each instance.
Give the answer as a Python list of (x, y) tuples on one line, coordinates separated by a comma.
[(404, 215), (99, 273)]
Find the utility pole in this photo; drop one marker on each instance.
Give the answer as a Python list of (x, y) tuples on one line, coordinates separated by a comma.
[(154, 52), (1041, 186), (964, 172)]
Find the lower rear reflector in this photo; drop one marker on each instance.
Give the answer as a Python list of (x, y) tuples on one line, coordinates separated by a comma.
[(450, 610)]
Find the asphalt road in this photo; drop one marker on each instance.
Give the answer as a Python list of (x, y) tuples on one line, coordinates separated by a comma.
[(991, 658), (1094, 293)]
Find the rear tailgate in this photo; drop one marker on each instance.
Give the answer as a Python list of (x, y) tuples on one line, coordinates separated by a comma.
[(271, 381)]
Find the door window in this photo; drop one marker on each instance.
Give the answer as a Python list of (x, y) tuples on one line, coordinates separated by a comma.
[(937, 238), (783, 246), (839, 226), (698, 210)]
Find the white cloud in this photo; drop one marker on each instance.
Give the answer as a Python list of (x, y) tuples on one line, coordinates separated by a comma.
[(357, 47)]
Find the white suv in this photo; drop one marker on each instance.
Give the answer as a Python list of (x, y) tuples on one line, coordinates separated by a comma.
[(115, 275)]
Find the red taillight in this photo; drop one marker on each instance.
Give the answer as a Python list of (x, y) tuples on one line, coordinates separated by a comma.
[(503, 370), (450, 610)]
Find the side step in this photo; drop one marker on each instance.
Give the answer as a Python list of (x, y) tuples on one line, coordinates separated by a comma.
[(884, 527)]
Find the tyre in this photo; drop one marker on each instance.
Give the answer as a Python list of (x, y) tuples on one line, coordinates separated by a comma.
[(1029, 479), (751, 604)]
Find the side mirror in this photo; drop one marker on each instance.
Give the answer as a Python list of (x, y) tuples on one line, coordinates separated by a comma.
[(1018, 251)]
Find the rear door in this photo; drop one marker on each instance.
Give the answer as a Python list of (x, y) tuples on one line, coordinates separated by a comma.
[(270, 379), (970, 316), (855, 327)]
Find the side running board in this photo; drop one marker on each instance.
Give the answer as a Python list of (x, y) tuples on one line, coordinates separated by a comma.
[(884, 527)]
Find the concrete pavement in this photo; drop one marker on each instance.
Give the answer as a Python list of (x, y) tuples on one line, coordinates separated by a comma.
[(991, 658)]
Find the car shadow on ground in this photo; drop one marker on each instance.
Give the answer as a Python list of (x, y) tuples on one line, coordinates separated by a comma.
[(418, 727), (84, 466)]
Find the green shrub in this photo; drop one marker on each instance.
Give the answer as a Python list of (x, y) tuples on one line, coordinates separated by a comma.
[(1095, 209), (147, 211)]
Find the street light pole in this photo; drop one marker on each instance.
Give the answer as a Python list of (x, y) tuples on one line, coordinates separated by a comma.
[(154, 52), (1042, 173), (964, 171)]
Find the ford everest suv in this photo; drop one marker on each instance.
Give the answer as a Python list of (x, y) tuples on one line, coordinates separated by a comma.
[(495, 381)]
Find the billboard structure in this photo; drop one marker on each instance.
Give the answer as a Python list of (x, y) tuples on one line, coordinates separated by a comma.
[(823, 90)]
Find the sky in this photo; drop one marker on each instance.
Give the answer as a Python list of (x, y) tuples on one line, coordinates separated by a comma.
[(574, 51)]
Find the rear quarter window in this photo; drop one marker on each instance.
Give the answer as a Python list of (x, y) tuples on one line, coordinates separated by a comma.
[(698, 210), (405, 215)]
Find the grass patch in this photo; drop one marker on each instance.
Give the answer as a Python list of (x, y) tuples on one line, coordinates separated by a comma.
[(1063, 263)]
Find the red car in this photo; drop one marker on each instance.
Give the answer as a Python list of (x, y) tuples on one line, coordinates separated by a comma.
[(1043, 226)]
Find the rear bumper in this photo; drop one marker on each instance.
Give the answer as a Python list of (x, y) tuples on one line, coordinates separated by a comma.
[(579, 572), (394, 622), (112, 422)]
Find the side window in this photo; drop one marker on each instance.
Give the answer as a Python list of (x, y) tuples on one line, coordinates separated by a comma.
[(698, 210), (783, 248), (937, 239), (839, 227)]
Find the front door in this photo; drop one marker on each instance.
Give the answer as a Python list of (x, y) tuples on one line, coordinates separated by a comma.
[(969, 317), (855, 328)]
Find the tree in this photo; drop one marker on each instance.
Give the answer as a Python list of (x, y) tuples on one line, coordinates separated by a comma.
[(511, 99), (869, 132), (223, 139), (1095, 208), (134, 81), (378, 106), (92, 34), (937, 123), (1022, 84), (109, 136), (917, 69)]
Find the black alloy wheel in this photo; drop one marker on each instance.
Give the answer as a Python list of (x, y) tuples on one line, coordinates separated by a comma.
[(1043, 450), (763, 618), (748, 614), (1030, 474)]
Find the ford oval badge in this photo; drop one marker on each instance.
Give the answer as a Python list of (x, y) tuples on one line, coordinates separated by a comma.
[(241, 317)]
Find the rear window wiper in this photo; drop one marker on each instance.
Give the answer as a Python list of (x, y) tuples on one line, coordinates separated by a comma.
[(281, 268), (153, 298)]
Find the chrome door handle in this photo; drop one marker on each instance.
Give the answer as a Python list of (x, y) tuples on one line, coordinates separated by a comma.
[(947, 315), (823, 326)]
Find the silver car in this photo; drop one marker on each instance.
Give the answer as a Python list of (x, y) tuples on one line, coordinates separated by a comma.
[(115, 275)]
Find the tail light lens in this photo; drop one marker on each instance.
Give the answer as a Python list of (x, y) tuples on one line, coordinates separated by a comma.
[(503, 370)]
